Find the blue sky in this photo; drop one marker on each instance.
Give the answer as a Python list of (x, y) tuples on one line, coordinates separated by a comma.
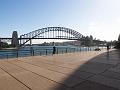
[(100, 18)]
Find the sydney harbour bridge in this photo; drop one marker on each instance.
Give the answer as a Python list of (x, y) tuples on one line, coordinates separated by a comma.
[(43, 33)]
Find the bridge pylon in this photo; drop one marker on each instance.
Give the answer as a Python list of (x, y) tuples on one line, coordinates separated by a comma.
[(15, 41)]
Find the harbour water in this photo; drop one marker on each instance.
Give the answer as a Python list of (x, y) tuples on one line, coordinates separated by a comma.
[(41, 50)]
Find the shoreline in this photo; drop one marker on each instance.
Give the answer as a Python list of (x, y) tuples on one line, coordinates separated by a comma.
[(8, 48)]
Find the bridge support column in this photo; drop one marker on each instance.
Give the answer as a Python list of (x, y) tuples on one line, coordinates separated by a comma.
[(30, 42), (15, 41), (20, 40)]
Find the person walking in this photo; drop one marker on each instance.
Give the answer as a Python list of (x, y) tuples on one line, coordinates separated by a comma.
[(54, 50), (108, 48)]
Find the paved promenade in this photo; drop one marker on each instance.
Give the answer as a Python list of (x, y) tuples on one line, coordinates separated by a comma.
[(93, 70)]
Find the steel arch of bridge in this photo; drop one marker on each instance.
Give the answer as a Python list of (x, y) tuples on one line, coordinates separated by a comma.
[(36, 34)]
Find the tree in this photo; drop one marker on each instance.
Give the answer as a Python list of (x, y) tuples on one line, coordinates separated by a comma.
[(117, 44), (4, 45), (119, 38), (87, 41), (91, 40)]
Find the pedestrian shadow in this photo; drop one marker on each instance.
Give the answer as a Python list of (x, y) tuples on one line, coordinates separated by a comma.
[(83, 77)]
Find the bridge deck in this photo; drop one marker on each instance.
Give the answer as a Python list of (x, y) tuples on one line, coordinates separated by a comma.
[(72, 71), (43, 38)]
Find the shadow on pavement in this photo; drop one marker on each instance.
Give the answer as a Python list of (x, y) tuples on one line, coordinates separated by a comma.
[(94, 74)]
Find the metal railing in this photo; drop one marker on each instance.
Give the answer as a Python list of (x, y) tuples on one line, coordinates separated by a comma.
[(36, 52)]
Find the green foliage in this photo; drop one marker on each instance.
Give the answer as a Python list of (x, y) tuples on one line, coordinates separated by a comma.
[(117, 44), (119, 38), (4, 45), (89, 41)]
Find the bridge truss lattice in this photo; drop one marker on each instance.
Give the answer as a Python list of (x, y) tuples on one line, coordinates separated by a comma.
[(51, 33)]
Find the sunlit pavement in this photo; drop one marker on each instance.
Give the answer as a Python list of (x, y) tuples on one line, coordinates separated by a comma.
[(92, 70)]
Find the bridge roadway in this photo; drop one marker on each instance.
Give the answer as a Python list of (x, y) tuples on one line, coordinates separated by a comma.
[(93, 70), (42, 38)]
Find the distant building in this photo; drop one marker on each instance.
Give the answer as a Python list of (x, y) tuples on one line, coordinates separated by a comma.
[(15, 41)]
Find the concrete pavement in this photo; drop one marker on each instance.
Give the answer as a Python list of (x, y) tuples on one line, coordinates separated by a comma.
[(92, 70)]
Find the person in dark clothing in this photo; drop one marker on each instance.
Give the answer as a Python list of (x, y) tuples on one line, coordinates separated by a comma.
[(54, 50), (108, 47)]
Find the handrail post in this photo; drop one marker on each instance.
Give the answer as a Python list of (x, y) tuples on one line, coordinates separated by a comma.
[(7, 55), (17, 53), (57, 50), (46, 51), (33, 53), (66, 50)]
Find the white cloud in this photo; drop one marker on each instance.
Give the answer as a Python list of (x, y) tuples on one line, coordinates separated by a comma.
[(118, 20), (104, 30), (91, 23)]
